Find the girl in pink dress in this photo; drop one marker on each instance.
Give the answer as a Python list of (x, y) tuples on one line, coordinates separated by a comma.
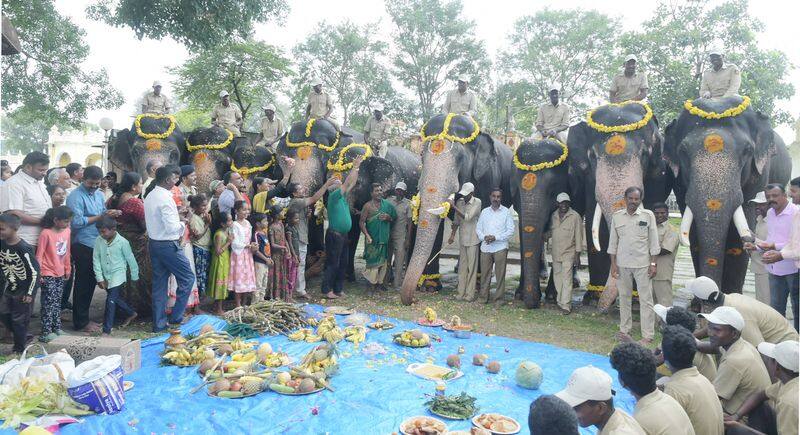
[(242, 276)]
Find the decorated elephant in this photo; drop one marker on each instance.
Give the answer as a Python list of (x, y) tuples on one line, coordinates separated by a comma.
[(616, 147), (541, 173), (252, 161), (152, 137), (722, 152), (454, 151)]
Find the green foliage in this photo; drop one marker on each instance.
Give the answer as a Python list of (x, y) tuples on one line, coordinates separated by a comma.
[(250, 71), (674, 43), (194, 23), (192, 119), (46, 84), (435, 43)]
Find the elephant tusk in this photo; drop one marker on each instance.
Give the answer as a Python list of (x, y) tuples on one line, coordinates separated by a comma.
[(436, 211), (741, 223), (686, 225), (598, 213)]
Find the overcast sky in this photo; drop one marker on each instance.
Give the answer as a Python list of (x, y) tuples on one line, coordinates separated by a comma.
[(132, 64)]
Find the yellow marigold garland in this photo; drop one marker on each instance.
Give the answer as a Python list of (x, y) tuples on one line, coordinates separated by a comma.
[(429, 277), (323, 147), (733, 111), (648, 114), (309, 124), (446, 206), (415, 208), (170, 129), (217, 146), (445, 134), (595, 288), (340, 165), (543, 165), (247, 171)]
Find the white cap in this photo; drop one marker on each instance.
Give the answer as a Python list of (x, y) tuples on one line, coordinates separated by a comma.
[(316, 81), (377, 106), (715, 50), (562, 197), (661, 311), (725, 316), (554, 87), (785, 353), (702, 287), (463, 78), (156, 83), (586, 383), (223, 94), (466, 189), (269, 106), (631, 57), (760, 198), (401, 185)]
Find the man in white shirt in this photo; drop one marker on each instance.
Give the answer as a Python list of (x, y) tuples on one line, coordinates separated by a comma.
[(495, 226), (25, 195), (165, 227)]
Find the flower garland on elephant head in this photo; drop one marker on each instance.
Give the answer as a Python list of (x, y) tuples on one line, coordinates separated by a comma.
[(166, 134), (733, 111), (247, 171), (648, 114), (212, 146), (339, 165), (323, 147), (543, 165), (445, 133)]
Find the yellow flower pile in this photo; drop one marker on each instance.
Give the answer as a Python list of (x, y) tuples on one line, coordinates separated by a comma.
[(166, 134), (213, 146), (733, 111), (339, 165), (543, 165), (445, 134), (247, 171), (648, 114)]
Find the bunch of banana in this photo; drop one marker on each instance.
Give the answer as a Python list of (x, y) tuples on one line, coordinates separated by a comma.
[(247, 357), (240, 344), (306, 334), (329, 331), (183, 358), (320, 360), (209, 338), (355, 334), (312, 321), (430, 314), (275, 359)]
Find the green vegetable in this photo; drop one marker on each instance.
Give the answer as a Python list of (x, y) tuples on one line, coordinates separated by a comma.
[(33, 398), (280, 388), (230, 394), (458, 407), (242, 330)]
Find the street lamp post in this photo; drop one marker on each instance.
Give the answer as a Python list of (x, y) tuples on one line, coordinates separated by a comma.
[(107, 124)]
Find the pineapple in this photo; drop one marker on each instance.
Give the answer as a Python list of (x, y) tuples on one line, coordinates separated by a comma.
[(252, 387)]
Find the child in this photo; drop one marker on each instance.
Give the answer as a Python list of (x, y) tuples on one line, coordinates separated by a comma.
[(20, 280), (220, 262), (111, 259), (242, 277), (200, 234), (280, 252), (293, 241), (53, 255), (262, 257)]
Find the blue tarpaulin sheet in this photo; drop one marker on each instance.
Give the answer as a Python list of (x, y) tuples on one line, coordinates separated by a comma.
[(373, 395)]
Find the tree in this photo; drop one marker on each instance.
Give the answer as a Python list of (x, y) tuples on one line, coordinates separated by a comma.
[(192, 119), (46, 84), (435, 43), (573, 48), (674, 45), (198, 24), (250, 71)]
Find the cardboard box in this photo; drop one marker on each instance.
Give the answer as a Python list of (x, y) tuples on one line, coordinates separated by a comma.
[(84, 348)]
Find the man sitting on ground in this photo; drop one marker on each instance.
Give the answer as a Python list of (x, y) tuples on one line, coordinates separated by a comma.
[(550, 415), (682, 317)]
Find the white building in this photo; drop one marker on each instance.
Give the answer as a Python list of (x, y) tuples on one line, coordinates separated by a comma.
[(78, 146)]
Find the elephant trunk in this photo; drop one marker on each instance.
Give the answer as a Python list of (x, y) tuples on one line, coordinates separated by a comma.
[(205, 167), (614, 175), (534, 211), (437, 182), (308, 170)]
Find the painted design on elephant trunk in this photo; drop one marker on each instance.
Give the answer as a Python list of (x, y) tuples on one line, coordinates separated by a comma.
[(200, 157), (714, 204), (615, 145), (713, 143), (712, 262), (528, 181), (734, 251)]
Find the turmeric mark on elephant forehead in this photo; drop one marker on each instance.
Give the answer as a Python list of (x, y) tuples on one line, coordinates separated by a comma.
[(528, 181), (713, 143), (529, 229), (714, 204), (153, 145), (615, 145), (200, 157), (734, 251), (712, 261), (304, 152), (437, 146), (528, 254)]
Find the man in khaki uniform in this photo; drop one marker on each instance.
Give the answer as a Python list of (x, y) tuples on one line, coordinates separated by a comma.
[(461, 100), (760, 273), (272, 127), (227, 114), (722, 79), (566, 242), (687, 386), (589, 393), (376, 132), (156, 102), (467, 210), (628, 85), (401, 228), (553, 117), (633, 247), (665, 262), (705, 363), (741, 370), (320, 103)]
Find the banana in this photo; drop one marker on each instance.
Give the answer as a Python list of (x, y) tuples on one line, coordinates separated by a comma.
[(430, 314)]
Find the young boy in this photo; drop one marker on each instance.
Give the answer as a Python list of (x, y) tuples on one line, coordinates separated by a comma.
[(111, 255), (20, 280), (262, 257)]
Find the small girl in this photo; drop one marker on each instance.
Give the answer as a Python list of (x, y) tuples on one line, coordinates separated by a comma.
[(280, 252), (293, 241), (220, 263), (242, 278), (53, 254), (262, 257), (200, 234)]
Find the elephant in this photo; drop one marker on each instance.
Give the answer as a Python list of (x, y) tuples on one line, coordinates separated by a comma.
[(534, 190), (252, 161), (616, 147), (719, 165), (455, 151), (152, 137)]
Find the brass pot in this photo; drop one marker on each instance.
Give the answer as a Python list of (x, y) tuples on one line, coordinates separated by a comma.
[(175, 340)]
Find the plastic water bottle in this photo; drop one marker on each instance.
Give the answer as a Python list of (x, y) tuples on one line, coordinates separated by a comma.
[(440, 388)]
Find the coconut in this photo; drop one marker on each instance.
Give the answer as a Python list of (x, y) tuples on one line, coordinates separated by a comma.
[(225, 349), (320, 355), (283, 378), (417, 334), (306, 386), (209, 354), (206, 329), (221, 385), (206, 365), (454, 361), (479, 359), (493, 367), (235, 386), (264, 349)]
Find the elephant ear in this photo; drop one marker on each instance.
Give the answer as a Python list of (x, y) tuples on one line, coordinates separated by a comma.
[(764, 143), (656, 141), (485, 155), (121, 152), (223, 164), (376, 169), (579, 144), (671, 144)]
